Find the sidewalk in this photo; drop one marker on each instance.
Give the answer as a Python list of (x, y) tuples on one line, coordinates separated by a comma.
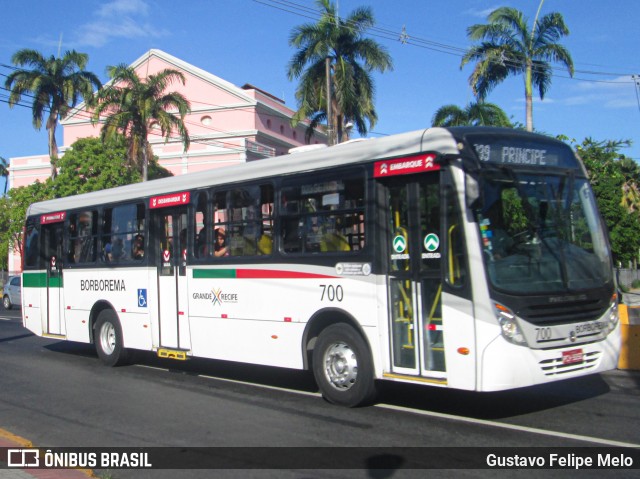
[(631, 298), (10, 440)]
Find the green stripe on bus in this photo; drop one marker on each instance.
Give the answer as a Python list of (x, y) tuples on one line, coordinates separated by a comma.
[(214, 273), (39, 280), (34, 280)]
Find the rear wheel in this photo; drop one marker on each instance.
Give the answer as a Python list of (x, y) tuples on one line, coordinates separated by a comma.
[(343, 368), (107, 336), (6, 302)]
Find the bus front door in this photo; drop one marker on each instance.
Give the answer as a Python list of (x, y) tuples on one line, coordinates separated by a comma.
[(426, 263), (53, 313), (170, 245)]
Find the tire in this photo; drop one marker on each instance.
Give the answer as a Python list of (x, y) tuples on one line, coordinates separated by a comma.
[(343, 368), (6, 302), (107, 336)]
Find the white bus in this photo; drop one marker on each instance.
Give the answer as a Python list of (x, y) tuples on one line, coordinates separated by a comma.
[(466, 258)]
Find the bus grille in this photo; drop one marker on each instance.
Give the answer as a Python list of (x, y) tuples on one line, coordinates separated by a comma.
[(555, 366), (572, 311)]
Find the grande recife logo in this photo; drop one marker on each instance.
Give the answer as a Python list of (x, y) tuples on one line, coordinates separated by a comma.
[(406, 165), (173, 199)]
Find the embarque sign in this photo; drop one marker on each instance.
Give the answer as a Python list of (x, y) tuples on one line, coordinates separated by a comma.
[(406, 165), (173, 199)]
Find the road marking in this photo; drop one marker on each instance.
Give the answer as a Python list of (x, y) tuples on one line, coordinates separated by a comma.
[(451, 417), (513, 427)]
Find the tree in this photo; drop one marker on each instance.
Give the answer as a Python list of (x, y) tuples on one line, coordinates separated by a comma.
[(13, 210), (91, 165), (611, 174), (4, 172), (474, 114), (352, 59), (135, 107), (55, 84), (510, 47)]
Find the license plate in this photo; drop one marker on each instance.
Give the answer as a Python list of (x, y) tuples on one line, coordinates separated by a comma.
[(572, 357)]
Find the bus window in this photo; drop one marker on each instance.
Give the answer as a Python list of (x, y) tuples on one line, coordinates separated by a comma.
[(243, 222), (123, 234), (31, 244), (201, 249), (82, 237), (324, 217)]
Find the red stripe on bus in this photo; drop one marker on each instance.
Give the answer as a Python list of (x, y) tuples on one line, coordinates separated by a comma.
[(276, 274)]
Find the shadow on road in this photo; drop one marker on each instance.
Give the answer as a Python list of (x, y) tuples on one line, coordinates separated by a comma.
[(495, 405), (13, 338), (498, 405)]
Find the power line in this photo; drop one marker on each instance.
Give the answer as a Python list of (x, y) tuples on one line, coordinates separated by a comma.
[(406, 39)]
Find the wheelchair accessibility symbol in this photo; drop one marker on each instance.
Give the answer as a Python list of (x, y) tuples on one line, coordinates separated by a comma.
[(142, 298)]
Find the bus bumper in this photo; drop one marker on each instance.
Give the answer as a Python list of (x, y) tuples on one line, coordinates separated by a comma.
[(507, 366)]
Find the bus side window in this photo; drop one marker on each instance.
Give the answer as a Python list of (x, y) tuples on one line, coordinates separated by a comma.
[(201, 241), (82, 237), (123, 234), (31, 244), (324, 216)]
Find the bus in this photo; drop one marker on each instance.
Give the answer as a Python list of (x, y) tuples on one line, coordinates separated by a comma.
[(468, 258)]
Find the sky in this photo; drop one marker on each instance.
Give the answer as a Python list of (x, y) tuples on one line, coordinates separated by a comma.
[(246, 41)]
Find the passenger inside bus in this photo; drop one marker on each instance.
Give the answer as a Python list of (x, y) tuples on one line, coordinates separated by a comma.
[(220, 247), (137, 249)]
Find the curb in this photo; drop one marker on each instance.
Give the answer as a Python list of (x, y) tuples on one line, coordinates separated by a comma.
[(10, 440)]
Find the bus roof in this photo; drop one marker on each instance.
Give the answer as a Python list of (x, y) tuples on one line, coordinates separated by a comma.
[(432, 139)]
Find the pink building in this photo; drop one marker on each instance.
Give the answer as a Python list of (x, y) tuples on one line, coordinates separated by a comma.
[(227, 125)]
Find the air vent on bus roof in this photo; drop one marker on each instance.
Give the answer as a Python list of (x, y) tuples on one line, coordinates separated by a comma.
[(302, 149)]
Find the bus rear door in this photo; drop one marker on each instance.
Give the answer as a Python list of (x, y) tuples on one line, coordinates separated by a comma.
[(170, 252), (52, 232)]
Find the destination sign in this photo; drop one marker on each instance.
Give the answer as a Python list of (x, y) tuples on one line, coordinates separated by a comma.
[(521, 152), (165, 201), (48, 218)]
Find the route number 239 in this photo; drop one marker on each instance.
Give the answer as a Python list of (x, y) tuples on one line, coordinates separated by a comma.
[(331, 293)]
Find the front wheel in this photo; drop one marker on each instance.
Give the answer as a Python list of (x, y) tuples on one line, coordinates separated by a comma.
[(6, 302), (343, 368), (107, 336)]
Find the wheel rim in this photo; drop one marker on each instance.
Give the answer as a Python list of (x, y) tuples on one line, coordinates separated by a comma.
[(108, 338), (340, 366), (6, 302)]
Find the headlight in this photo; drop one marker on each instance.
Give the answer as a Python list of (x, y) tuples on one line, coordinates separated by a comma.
[(508, 324), (614, 317)]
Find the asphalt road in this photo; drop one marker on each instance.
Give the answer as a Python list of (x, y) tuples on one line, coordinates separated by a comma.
[(58, 394)]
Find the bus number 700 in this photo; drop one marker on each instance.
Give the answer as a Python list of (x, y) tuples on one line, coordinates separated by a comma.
[(331, 293)]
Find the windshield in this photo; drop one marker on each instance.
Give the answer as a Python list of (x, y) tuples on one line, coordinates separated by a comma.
[(542, 233)]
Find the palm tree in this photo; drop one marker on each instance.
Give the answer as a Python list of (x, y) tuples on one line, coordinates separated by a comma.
[(4, 172), (337, 48), (509, 47), (134, 107), (55, 84), (474, 114)]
